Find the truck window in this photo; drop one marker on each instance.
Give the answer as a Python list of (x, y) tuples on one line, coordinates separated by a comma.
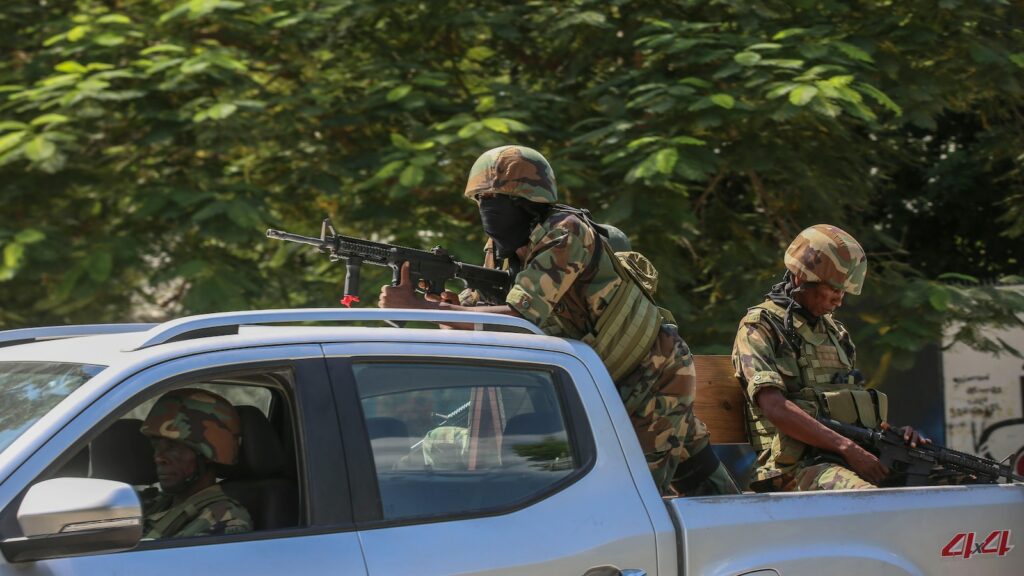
[(28, 390), (263, 479), (452, 440)]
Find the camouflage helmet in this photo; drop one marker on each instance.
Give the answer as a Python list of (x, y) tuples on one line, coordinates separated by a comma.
[(617, 239), (200, 419), (824, 253), (514, 170)]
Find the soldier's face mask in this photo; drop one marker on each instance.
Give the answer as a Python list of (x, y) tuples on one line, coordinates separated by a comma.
[(506, 222)]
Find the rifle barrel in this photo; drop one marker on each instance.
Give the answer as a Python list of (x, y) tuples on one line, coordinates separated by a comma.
[(289, 237)]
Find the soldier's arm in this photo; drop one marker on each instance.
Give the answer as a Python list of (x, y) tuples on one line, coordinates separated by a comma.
[(754, 354), (797, 424), (553, 265)]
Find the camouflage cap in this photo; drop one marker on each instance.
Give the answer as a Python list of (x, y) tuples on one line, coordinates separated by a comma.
[(825, 253), (514, 170), (200, 419)]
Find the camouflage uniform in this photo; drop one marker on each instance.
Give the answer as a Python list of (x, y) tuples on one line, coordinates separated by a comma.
[(562, 291), (216, 513), (776, 348), (210, 426)]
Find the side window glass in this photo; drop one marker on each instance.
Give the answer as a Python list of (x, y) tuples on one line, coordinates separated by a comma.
[(171, 443), (454, 440)]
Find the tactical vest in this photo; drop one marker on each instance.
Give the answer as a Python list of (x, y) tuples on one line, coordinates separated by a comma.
[(626, 329), (179, 516), (815, 369)]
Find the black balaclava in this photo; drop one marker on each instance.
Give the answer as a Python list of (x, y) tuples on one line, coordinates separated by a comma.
[(508, 222)]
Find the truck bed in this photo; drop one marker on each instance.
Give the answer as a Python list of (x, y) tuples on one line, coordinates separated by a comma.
[(928, 531)]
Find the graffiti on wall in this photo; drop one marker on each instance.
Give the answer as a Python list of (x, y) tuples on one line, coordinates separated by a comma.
[(984, 400)]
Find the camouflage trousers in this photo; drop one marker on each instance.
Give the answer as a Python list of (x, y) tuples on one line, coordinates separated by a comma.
[(659, 395), (825, 476)]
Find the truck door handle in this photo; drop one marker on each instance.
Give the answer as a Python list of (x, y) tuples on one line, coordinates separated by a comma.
[(613, 571)]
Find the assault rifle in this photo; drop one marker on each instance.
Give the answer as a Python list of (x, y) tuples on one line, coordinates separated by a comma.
[(428, 270), (912, 466)]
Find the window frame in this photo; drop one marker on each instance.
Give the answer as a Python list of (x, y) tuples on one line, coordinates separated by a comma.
[(319, 477), (367, 506)]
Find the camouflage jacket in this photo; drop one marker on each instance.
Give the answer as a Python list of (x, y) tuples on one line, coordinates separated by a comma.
[(799, 366), (558, 253), (220, 515)]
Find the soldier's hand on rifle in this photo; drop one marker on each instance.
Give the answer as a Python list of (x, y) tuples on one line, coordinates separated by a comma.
[(910, 436), (864, 463), (448, 297), (401, 296)]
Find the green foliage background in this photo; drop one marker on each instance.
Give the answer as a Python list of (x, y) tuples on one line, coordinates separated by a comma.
[(145, 145)]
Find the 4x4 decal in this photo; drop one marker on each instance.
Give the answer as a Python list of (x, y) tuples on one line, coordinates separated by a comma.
[(968, 545)]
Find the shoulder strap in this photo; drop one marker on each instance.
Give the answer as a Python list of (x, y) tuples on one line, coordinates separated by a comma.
[(833, 330), (178, 517), (775, 323)]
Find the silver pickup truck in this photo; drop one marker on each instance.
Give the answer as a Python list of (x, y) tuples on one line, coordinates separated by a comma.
[(369, 449)]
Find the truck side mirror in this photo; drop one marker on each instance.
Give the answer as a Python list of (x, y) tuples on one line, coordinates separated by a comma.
[(72, 516)]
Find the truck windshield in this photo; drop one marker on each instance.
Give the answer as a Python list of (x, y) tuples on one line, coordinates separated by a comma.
[(28, 390)]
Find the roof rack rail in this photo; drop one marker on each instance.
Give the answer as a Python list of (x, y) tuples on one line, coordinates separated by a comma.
[(224, 323), (27, 335)]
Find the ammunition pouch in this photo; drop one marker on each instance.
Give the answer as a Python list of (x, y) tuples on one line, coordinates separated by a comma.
[(866, 408)]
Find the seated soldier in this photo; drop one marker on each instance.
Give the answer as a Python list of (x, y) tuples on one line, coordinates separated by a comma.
[(796, 362), (193, 432)]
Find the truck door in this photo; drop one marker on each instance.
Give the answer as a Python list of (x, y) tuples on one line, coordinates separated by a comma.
[(290, 475), (483, 460)]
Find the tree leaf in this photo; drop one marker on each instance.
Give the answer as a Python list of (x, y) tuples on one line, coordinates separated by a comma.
[(880, 97), (77, 33), (399, 92), (802, 94), (8, 141), (29, 236), (39, 149), (114, 19), (109, 39), (787, 33), (939, 297), (13, 254), (99, 265), (479, 53), (688, 141), (665, 160), (496, 124), (47, 119), (70, 67), (162, 48), (723, 100), (747, 58), (853, 52), (411, 177)]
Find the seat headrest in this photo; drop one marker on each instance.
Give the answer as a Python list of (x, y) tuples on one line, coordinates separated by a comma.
[(533, 423), (261, 453), (386, 427), (77, 467), (122, 453)]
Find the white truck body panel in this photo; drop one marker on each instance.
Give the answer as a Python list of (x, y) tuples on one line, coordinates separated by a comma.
[(614, 511)]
